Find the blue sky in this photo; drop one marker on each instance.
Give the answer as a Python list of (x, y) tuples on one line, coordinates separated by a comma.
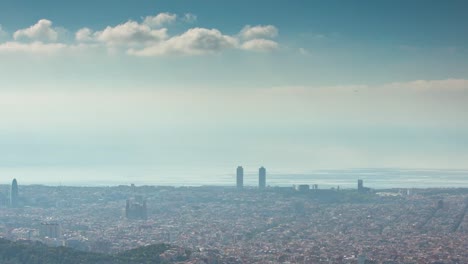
[(291, 85)]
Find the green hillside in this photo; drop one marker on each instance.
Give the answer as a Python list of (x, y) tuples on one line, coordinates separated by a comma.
[(27, 252)]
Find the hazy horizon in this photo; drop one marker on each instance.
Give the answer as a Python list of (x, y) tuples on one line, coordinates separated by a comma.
[(374, 178), (162, 87)]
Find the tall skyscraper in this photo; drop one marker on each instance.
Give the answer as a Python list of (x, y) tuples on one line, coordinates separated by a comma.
[(14, 194), (240, 177), (50, 230), (360, 185), (136, 208), (262, 178)]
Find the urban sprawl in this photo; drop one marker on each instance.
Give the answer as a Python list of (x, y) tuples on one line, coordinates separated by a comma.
[(246, 224)]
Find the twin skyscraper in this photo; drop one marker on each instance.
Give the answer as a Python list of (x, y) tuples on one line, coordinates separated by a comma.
[(261, 178)]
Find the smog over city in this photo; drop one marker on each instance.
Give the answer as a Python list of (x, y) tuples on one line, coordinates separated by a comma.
[(210, 132)]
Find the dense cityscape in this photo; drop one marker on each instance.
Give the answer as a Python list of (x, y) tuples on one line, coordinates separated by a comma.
[(245, 224)]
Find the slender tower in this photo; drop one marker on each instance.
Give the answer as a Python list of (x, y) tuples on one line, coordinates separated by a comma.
[(14, 194), (360, 185), (262, 178), (240, 177)]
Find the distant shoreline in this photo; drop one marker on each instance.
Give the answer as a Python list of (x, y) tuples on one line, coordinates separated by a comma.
[(383, 178), (231, 187)]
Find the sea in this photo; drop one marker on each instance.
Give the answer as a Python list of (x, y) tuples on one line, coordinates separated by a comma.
[(376, 178)]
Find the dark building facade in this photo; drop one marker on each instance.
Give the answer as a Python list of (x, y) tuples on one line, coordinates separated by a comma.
[(50, 230), (262, 178), (240, 177), (360, 185), (136, 208)]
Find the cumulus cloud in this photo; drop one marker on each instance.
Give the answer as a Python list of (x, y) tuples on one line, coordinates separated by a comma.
[(84, 35), (260, 45), (195, 41), (41, 31), (146, 38), (190, 18), (33, 48), (160, 19), (249, 32), (130, 33)]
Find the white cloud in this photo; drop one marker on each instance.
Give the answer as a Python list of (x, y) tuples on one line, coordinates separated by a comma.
[(130, 33), (84, 35), (146, 38), (249, 32), (41, 48), (3, 33), (410, 88), (190, 18), (33, 48), (160, 19), (260, 45), (41, 31), (376, 131), (431, 85), (195, 41)]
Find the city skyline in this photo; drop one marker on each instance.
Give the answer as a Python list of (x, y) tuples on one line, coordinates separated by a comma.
[(279, 131), (168, 84)]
